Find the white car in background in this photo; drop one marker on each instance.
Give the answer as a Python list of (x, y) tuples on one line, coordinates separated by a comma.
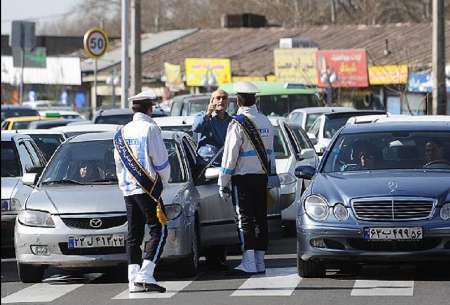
[(326, 125), (397, 118), (305, 117)]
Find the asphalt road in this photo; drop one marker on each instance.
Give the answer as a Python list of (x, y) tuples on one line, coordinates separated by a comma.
[(373, 284)]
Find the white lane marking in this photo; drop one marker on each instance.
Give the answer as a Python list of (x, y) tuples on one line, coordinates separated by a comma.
[(276, 282), (173, 287), (40, 293), (383, 288)]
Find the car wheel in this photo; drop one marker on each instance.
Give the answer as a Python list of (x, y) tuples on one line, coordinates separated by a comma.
[(30, 273), (309, 269), (189, 265)]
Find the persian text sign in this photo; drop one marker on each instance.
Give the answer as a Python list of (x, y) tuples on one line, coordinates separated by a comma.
[(207, 71), (296, 65), (388, 74), (342, 68)]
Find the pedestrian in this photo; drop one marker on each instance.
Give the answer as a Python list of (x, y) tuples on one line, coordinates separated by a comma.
[(247, 161), (142, 168), (212, 126)]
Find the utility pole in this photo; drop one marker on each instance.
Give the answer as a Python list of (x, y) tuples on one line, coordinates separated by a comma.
[(125, 63), (438, 72), (136, 71)]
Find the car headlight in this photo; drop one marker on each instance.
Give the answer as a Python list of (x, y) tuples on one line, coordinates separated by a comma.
[(173, 211), (35, 218), (316, 207), (287, 178), (445, 211), (10, 204), (340, 212)]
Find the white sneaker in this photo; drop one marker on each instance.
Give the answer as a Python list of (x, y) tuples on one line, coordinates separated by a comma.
[(132, 271), (247, 264)]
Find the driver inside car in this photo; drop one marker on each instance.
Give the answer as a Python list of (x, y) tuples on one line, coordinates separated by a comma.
[(434, 154)]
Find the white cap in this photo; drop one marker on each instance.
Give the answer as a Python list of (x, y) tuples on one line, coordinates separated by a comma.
[(245, 87), (144, 95)]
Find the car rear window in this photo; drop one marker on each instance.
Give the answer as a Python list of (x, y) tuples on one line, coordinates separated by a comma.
[(119, 119), (10, 160), (8, 113)]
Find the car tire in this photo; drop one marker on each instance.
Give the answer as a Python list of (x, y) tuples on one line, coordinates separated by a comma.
[(188, 266), (310, 269), (30, 273)]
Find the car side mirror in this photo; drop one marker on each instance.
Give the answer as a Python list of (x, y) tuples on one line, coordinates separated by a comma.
[(29, 179), (212, 173), (307, 153), (313, 138), (305, 172), (34, 170)]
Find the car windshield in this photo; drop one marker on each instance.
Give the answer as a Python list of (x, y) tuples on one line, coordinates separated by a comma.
[(92, 162), (10, 160), (282, 105), (280, 146), (310, 119), (389, 150), (333, 124), (119, 119), (47, 143)]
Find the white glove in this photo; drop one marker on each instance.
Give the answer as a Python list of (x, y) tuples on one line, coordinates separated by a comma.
[(224, 193)]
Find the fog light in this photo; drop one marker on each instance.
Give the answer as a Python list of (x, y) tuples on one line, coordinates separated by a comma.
[(40, 250), (318, 243)]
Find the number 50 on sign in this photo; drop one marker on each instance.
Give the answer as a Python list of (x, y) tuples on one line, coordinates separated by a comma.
[(95, 42)]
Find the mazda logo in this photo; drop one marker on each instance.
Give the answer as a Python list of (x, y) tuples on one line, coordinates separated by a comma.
[(95, 223)]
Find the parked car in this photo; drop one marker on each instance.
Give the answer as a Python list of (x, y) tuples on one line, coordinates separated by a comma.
[(305, 117), (47, 140), (20, 156), (190, 105), (326, 125), (380, 193), (63, 114), (8, 111), (59, 212), (279, 99), (22, 122), (397, 118), (77, 129), (121, 116)]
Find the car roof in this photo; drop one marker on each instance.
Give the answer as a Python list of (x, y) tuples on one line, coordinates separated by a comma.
[(9, 135), (396, 126), (323, 109), (175, 120), (87, 127), (353, 113), (99, 136), (114, 111), (273, 88)]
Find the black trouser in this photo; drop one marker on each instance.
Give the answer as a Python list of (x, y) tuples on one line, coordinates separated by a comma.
[(141, 211), (250, 200)]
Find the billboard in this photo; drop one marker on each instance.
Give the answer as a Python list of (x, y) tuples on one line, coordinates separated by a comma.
[(422, 82), (173, 76), (296, 65), (388, 74), (342, 68), (207, 71)]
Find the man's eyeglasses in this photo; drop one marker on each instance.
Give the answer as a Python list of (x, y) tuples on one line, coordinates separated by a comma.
[(221, 97)]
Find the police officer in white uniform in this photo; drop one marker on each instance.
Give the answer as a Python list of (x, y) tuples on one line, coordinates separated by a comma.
[(243, 177), (143, 137)]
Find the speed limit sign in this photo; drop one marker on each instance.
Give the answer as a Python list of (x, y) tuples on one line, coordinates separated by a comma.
[(95, 42)]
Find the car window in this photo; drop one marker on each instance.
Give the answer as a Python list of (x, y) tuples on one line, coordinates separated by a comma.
[(315, 127), (19, 112), (47, 143), (34, 152), (310, 119), (280, 146), (390, 150), (21, 125), (282, 105), (11, 166), (24, 155), (333, 124), (296, 117), (176, 108), (119, 119), (297, 139)]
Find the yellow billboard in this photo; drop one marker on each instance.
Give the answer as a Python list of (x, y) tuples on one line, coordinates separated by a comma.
[(388, 74), (296, 65), (207, 71)]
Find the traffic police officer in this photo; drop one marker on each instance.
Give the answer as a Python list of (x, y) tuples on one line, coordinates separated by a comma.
[(243, 171), (146, 146)]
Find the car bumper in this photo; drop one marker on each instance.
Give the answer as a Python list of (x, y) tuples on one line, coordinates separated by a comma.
[(56, 239), (8, 221), (326, 243)]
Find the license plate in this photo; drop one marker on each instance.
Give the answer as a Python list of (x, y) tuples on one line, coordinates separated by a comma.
[(96, 241), (414, 233)]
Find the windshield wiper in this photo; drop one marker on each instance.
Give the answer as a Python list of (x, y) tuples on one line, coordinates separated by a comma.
[(63, 181)]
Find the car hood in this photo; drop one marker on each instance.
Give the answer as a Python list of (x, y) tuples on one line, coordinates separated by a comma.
[(8, 186), (341, 187), (80, 199)]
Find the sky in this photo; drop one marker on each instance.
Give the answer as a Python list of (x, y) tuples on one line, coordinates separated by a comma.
[(34, 10)]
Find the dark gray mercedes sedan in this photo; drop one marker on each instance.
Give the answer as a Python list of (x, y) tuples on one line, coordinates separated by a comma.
[(381, 193)]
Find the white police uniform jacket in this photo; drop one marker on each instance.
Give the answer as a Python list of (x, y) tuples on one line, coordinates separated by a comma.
[(143, 137), (239, 155)]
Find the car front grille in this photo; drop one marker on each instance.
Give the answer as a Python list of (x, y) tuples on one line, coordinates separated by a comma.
[(393, 246), (90, 251), (85, 222), (393, 209)]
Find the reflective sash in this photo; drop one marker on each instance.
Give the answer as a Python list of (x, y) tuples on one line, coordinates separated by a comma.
[(255, 138), (152, 187)]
